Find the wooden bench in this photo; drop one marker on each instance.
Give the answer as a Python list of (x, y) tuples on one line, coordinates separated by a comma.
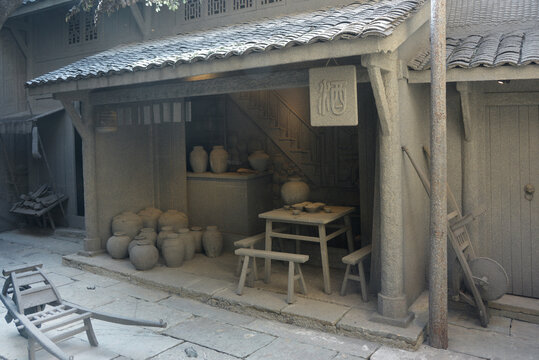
[(356, 258), (249, 243), (294, 270)]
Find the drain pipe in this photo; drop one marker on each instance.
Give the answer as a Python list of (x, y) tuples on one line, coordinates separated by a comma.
[(438, 176)]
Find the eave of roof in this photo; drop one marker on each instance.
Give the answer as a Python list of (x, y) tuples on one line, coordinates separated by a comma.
[(33, 6), (319, 29)]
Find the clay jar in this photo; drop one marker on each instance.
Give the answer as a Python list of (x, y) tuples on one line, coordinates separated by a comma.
[(117, 245), (198, 158), (143, 255), (174, 218), (188, 242), (259, 160), (149, 217), (134, 242), (294, 191), (149, 234), (173, 250), (166, 231), (218, 159), (128, 223), (196, 232), (212, 240)]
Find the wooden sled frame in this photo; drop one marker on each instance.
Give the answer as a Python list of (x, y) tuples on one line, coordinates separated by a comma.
[(460, 242), (34, 304)]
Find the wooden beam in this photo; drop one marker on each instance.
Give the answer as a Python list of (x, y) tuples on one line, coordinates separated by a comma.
[(464, 90), (480, 74), (213, 86), (512, 98), (74, 114)]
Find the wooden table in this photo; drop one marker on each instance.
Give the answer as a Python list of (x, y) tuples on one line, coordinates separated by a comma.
[(320, 220)]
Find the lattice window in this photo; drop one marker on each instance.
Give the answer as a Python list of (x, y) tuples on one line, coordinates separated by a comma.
[(267, 2), (192, 9), (242, 4), (216, 7), (73, 30), (90, 28)]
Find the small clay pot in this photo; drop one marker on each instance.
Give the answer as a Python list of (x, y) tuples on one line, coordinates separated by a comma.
[(198, 158), (117, 245), (149, 217), (294, 191), (218, 159), (166, 230), (143, 255), (259, 160), (128, 223), (174, 218), (196, 232), (188, 242), (212, 240), (173, 250), (149, 234)]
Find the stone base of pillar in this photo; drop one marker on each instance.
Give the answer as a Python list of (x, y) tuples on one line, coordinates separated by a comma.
[(392, 311), (92, 244)]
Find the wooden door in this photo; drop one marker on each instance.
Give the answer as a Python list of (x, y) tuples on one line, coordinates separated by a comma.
[(512, 164)]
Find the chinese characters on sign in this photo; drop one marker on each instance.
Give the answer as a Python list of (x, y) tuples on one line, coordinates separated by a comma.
[(333, 96)]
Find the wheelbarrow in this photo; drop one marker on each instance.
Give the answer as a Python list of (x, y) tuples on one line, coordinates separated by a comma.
[(34, 304)]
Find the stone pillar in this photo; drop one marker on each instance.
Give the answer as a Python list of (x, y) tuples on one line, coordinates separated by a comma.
[(85, 126), (92, 242), (392, 306)]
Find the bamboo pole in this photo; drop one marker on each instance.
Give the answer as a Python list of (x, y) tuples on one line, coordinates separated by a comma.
[(438, 174)]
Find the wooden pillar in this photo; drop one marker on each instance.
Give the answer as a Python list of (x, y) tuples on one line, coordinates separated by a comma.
[(84, 123), (392, 307)]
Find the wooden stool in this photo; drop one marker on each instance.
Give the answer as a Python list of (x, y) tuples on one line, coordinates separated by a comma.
[(249, 243), (356, 258), (294, 270)]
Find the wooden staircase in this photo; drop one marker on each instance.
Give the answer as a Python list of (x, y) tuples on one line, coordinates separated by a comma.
[(291, 134)]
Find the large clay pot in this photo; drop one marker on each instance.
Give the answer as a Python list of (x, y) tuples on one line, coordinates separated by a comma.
[(173, 250), (218, 159), (259, 160), (166, 231), (294, 191), (117, 245), (189, 244), (149, 217), (212, 240), (198, 158), (174, 218), (128, 223), (134, 242), (196, 232), (143, 255), (149, 234)]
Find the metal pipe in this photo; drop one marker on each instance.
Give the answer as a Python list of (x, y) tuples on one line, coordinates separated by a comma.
[(438, 174)]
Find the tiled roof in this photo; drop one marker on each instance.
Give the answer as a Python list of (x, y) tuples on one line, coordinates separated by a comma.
[(361, 19), (517, 47)]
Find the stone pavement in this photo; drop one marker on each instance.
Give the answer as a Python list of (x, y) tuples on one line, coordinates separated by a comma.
[(199, 331)]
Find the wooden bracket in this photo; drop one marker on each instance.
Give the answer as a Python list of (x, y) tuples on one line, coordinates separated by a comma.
[(143, 21), (380, 97), (78, 121), (19, 39), (464, 90)]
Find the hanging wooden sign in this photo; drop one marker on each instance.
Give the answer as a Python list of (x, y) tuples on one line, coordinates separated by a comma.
[(333, 96)]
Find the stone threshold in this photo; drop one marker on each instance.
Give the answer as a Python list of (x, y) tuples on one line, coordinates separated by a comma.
[(305, 312)]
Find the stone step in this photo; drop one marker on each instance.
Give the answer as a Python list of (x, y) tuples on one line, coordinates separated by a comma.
[(516, 307)]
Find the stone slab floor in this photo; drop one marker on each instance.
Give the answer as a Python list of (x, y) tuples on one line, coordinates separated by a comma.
[(199, 331)]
